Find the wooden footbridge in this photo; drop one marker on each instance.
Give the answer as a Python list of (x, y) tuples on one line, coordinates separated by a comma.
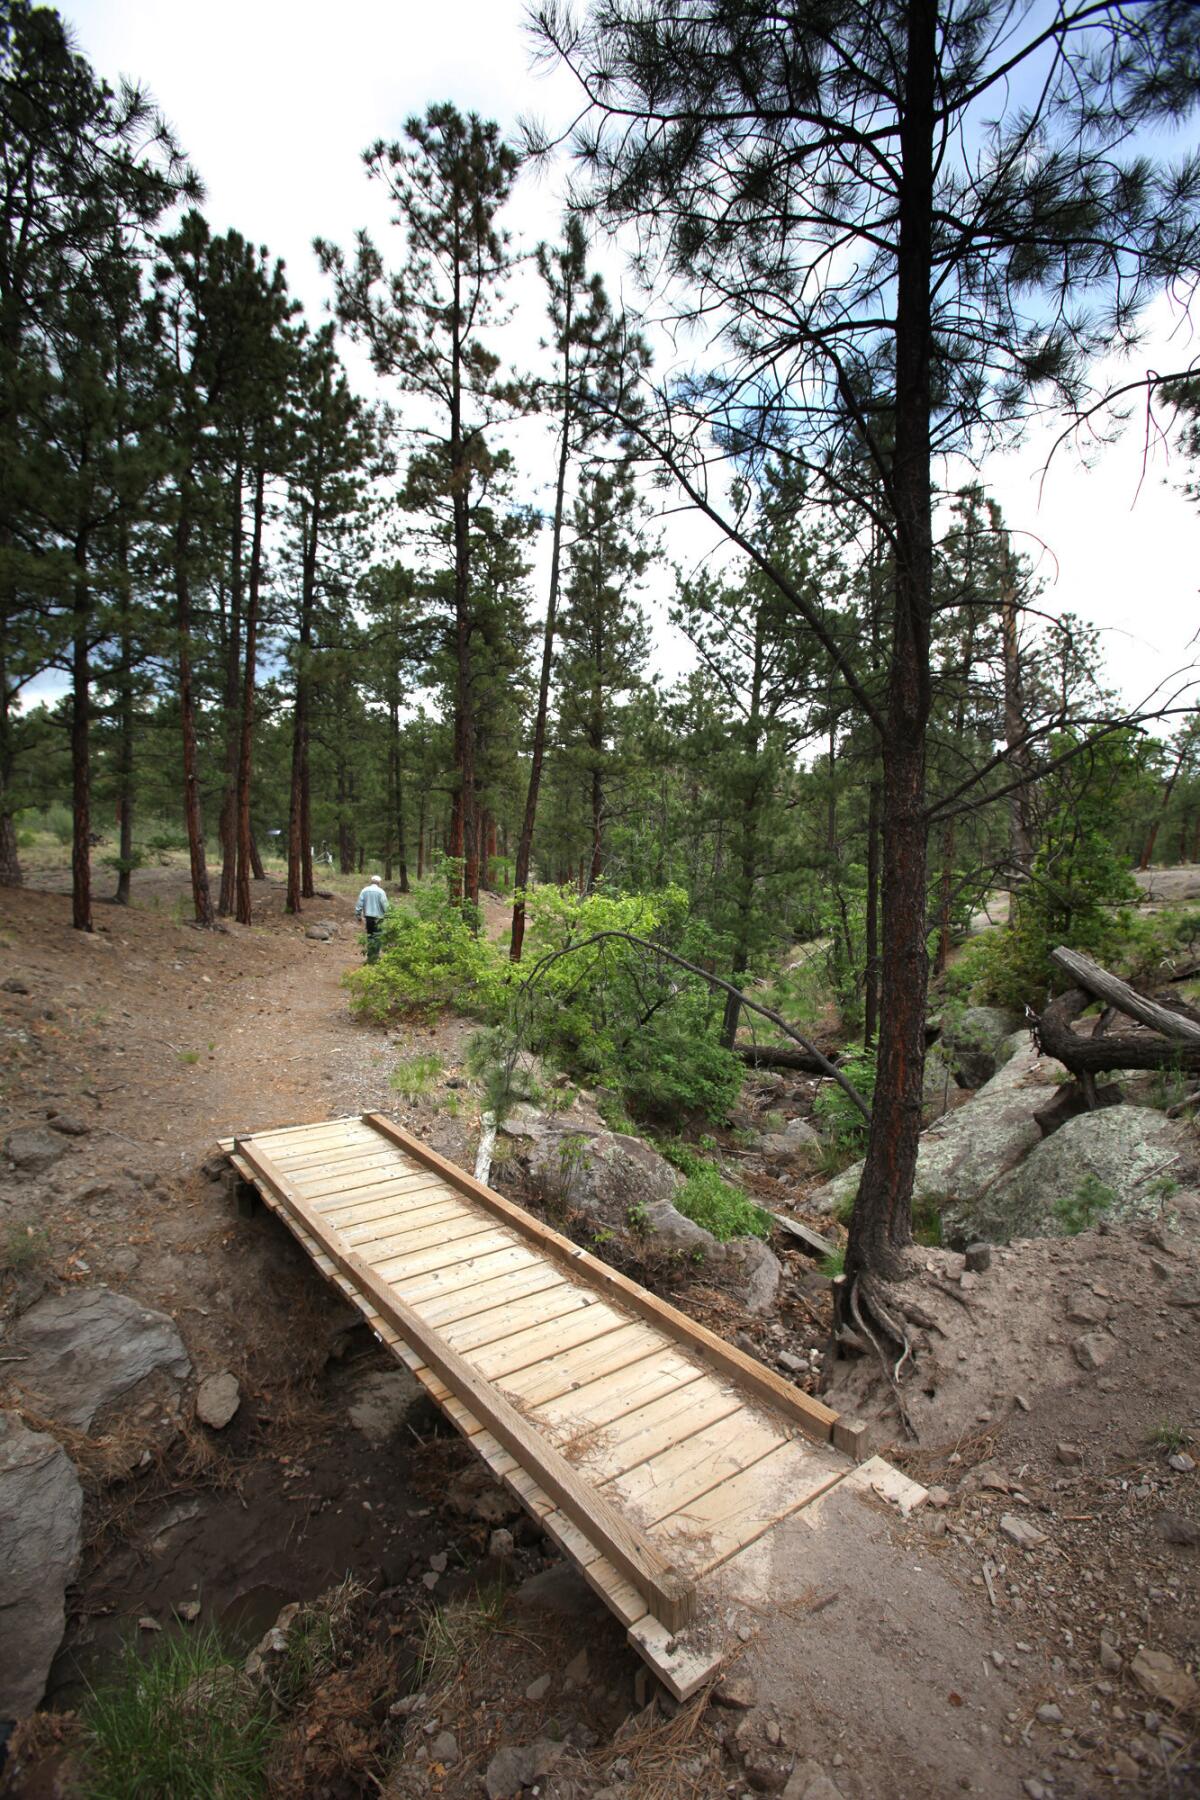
[(652, 1451)]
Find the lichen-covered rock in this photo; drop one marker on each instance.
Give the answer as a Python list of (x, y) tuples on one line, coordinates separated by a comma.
[(572, 1160), (979, 1040), (965, 1153), (1122, 1147), (41, 1506), (88, 1348)]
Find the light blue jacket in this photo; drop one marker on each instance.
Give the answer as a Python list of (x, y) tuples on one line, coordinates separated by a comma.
[(372, 902)]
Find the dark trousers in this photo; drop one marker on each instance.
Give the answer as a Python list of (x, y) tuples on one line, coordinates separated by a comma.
[(372, 926)]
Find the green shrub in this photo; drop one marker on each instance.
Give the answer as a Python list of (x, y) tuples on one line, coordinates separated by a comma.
[(708, 1200), (428, 958), (1079, 1211), (183, 1722), (840, 1119)]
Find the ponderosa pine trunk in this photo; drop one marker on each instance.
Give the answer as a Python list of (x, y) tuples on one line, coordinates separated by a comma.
[(881, 1223), (244, 904), (81, 713), (871, 946), (201, 894), (538, 748), (125, 722), (227, 824), (10, 861), (299, 871)]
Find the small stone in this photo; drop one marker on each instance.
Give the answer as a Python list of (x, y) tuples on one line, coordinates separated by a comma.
[(188, 1611), (217, 1399), (1161, 1678), (1021, 1533), (1124, 1767), (577, 1669), (795, 1365), (438, 1562), (444, 1749), (407, 1704), (1049, 1714), (14, 986), (938, 1496), (1093, 1350), (1177, 1530), (736, 1691), (1069, 1454), (537, 1690), (146, 1623), (502, 1544), (998, 1659), (1186, 1296), (69, 1125), (995, 1482), (1110, 1657), (1084, 1309), (978, 1257), (32, 1149), (1034, 1788), (1181, 1462), (431, 1579)]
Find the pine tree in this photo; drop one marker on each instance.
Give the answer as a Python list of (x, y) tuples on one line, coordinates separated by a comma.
[(911, 224), (425, 325)]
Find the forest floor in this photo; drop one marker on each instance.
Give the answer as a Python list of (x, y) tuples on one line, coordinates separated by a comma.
[(917, 1660)]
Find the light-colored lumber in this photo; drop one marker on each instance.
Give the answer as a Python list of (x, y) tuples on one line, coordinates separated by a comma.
[(424, 1262), (717, 1524), (400, 1236), (641, 1437), (501, 1322), (632, 1343), (668, 1595), (682, 1472), (811, 1415), (427, 1203), (464, 1277), (609, 1397), (495, 1295), (544, 1344)]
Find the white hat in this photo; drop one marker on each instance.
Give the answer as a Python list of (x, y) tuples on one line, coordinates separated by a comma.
[(377, 878)]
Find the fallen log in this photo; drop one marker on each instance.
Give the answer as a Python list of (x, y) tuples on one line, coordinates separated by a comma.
[(1103, 986), (779, 1056), (1096, 1055)]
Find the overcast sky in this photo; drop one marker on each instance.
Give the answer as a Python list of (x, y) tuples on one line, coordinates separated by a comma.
[(274, 101)]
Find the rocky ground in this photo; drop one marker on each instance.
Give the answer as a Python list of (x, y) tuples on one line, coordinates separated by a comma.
[(202, 1433)]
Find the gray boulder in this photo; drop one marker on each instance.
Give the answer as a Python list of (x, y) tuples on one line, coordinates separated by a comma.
[(41, 1506), (88, 1348), (966, 1152), (795, 1139), (571, 1159), (32, 1149), (977, 1041), (1123, 1147)]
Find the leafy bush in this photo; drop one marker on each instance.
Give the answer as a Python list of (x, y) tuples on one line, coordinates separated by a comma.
[(428, 958), (840, 1119), (616, 1018), (708, 1200)]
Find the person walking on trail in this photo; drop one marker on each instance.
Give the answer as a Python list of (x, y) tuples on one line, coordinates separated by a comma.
[(371, 907)]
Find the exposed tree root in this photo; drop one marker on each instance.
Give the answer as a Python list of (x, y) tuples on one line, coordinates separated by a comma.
[(879, 1316)]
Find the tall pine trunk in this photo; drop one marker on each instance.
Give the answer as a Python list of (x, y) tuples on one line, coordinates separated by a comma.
[(299, 848), (538, 750), (881, 1223), (871, 975), (125, 725), (201, 895), (246, 746), (227, 825), (81, 713)]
